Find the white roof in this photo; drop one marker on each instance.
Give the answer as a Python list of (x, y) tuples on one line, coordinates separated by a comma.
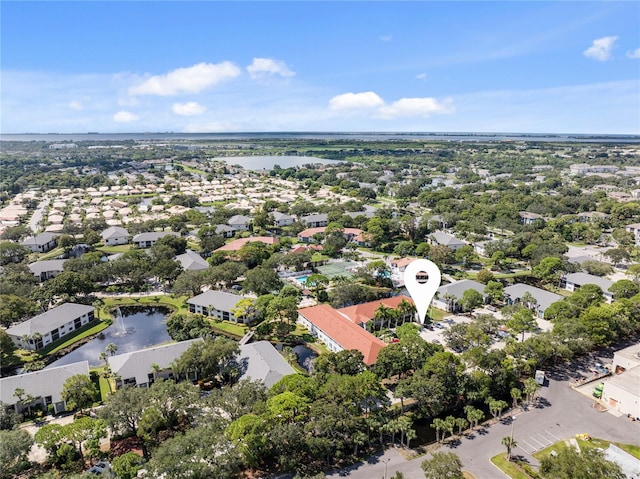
[(261, 361), (52, 319)]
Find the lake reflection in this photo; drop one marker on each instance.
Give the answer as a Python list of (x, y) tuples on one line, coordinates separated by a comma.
[(135, 328)]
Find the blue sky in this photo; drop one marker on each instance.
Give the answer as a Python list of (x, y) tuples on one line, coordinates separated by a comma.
[(557, 67)]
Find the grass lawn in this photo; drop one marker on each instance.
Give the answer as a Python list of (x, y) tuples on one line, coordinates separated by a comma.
[(630, 448), (235, 329), (172, 302), (591, 444), (121, 248), (51, 254), (104, 385), (509, 468), (438, 314)]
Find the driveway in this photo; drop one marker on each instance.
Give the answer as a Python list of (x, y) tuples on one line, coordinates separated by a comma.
[(561, 413)]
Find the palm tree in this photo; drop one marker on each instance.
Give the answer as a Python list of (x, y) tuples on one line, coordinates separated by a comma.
[(510, 443), (156, 369), (382, 314), (98, 304), (111, 348), (103, 357), (408, 310)]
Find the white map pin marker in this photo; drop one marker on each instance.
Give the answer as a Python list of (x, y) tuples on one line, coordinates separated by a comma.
[(422, 293)]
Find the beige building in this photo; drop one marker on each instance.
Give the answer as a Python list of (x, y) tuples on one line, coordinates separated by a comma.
[(621, 391)]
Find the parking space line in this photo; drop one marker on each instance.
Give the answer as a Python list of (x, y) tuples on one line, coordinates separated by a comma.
[(546, 439), (553, 436), (533, 449), (534, 439)]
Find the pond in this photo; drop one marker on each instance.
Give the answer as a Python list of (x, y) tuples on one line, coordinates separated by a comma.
[(136, 327), (304, 354)]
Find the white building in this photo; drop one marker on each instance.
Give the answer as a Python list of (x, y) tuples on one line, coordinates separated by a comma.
[(115, 235), (217, 304)]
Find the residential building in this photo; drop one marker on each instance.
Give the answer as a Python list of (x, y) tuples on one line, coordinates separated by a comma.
[(573, 281), (44, 270), (142, 368), (350, 234), (192, 261), (634, 228), (225, 231), (260, 361), (282, 219), (115, 235), (317, 220), (543, 299), (235, 245), (448, 296), (41, 243), (45, 328), (445, 239), (217, 304), (339, 333), (239, 222), (364, 314), (591, 216), (147, 240), (528, 218), (45, 386), (621, 392)]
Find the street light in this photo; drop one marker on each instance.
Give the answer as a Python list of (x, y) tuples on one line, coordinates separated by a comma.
[(513, 423), (385, 467)]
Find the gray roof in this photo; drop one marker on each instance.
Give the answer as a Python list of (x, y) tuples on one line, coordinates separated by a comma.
[(261, 361), (138, 364), (315, 218), (42, 238), (544, 298), (281, 216), (223, 229), (42, 383), (581, 279), (52, 319), (114, 232), (153, 235), (239, 220), (458, 288), (366, 214), (446, 239), (192, 261), (47, 265), (219, 299)]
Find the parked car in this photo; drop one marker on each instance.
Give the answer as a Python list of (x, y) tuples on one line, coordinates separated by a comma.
[(100, 468), (492, 308), (597, 392)]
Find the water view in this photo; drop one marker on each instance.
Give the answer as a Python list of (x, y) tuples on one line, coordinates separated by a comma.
[(268, 162), (134, 328)]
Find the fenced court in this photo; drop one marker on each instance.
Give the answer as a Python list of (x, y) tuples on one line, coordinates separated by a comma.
[(341, 268)]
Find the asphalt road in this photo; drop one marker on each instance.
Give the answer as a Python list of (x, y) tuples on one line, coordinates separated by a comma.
[(560, 414)]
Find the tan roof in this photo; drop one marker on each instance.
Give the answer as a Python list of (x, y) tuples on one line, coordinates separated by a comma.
[(239, 243), (362, 313)]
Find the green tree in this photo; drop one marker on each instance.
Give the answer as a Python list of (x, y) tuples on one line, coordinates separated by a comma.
[(485, 276), (11, 252), (548, 271), (123, 410), (262, 281), (127, 465), (522, 321), (624, 288), (587, 295), (79, 392), (569, 463), (495, 291), (14, 450), (471, 299), (443, 465), (510, 443)]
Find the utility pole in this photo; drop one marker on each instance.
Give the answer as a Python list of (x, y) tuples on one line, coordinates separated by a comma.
[(513, 423)]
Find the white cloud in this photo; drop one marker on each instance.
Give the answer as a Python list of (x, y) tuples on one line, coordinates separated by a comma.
[(190, 108), (600, 49), (386, 38), (192, 79), (124, 117), (423, 107), (266, 67), (634, 54), (421, 76), (76, 105), (354, 101)]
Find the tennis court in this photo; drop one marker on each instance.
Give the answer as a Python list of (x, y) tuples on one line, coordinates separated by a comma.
[(341, 268)]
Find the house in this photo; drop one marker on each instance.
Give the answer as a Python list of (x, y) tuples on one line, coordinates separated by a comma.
[(260, 361), (225, 231), (543, 299), (317, 220), (147, 240), (45, 328), (239, 223), (528, 218), (480, 247), (45, 386), (282, 219), (141, 368), (192, 261), (350, 234), (115, 235), (44, 270), (573, 281), (240, 242), (621, 391), (449, 295), (218, 304), (634, 228), (339, 333), (41, 243), (363, 314), (445, 239), (591, 216)]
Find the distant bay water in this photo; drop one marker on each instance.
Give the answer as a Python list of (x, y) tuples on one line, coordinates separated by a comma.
[(353, 136), (257, 163)]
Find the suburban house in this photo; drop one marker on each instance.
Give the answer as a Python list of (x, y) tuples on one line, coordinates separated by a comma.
[(573, 281), (239, 223), (543, 299), (445, 239), (480, 247), (448, 296), (260, 361), (282, 219), (141, 368), (218, 304), (115, 235), (45, 386), (225, 231), (363, 314), (147, 240), (317, 220), (235, 245), (621, 391), (350, 234), (48, 327), (634, 228), (192, 261), (338, 332), (528, 218), (44, 270), (41, 243), (397, 270), (590, 216)]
